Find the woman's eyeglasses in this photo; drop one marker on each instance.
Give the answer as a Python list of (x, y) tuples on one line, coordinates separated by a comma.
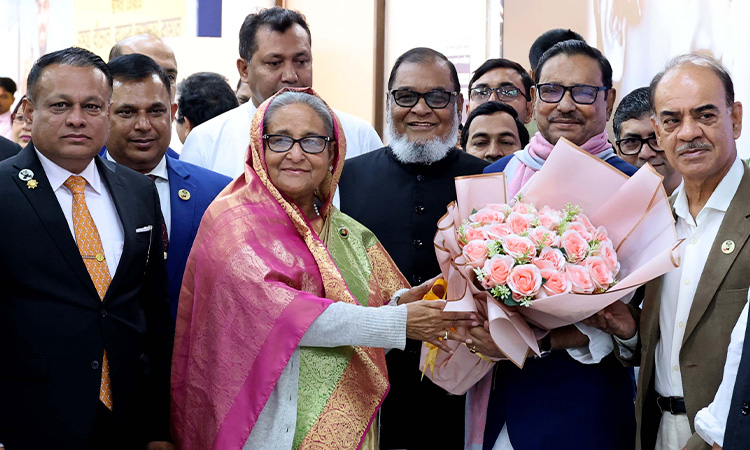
[(280, 143)]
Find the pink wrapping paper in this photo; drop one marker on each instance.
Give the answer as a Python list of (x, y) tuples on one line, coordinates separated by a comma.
[(634, 210)]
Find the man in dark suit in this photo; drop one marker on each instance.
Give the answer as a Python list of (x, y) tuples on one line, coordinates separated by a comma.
[(8, 148), (688, 314), (139, 135), (400, 192), (85, 332)]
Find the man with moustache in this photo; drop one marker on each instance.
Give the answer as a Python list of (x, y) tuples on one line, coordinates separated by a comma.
[(399, 192), (635, 139), (139, 134), (585, 390), (85, 333), (275, 53), (688, 314)]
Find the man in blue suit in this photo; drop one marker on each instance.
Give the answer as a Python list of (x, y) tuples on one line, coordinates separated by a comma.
[(139, 134), (578, 395)]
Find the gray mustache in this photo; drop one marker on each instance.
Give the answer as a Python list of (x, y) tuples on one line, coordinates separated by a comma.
[(693, 145)]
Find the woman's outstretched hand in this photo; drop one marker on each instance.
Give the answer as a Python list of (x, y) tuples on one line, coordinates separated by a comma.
[(426, 321)]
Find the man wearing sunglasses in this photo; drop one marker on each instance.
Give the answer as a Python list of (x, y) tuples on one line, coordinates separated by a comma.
[(635, 138), (501, 80), (399, 192), (578, 378)]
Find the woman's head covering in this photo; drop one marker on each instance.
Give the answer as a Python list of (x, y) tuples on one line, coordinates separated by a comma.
[(256, 278)]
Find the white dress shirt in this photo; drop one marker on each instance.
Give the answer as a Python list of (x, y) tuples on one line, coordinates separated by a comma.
[(221, 143), (711, 421), (162, 188), (100, 205), (679, 285)]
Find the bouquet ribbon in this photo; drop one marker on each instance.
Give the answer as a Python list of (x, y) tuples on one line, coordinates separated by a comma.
[(438, 291)]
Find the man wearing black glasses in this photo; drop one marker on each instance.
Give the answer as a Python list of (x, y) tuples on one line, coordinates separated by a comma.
[(399, 192), (636, 141), (578, 394), (502, 80)]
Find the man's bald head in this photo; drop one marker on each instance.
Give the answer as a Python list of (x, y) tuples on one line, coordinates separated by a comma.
[(155, 48)]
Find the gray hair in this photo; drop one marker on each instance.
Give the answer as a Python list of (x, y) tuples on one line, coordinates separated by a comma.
[(293, 98), (696, 59)]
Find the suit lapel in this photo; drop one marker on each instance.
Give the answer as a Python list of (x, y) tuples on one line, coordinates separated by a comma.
[(734, 227), (126, 211), (47, 208), (182, 212)]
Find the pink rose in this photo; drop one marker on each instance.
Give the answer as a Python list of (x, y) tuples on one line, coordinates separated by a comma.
[(583, 218), (556, 282), (550, 258), (518, 222), (525, 280), (600, 272), (496, 231), (580, 278), (601, 235), (486, 215), (544, 236), (497, 269), (575, 246), (475, 252), (608, 254), (519, 246), (502, 207), (524, 208), (580, 228), (472, 233), (550, 218)]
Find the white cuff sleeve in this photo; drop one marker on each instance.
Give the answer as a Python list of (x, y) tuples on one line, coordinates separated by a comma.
[(708, 427), (346, 324), (397, 296), (626, 347), (600, 345)]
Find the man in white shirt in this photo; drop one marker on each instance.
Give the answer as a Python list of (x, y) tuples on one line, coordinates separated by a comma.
[(688, 314), (274, 53), (85, 332)]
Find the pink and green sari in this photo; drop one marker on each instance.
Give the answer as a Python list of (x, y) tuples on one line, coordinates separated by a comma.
[(257, 277)]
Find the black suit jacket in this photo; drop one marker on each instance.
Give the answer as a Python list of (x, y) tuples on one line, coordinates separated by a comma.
[(401, 204), (8, 148), (54, 328)]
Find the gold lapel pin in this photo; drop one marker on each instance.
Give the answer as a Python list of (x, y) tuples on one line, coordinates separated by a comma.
[(727, 246), (184, 194), (32, 184)]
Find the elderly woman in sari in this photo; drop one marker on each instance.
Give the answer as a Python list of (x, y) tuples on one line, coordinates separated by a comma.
[(280, 333)]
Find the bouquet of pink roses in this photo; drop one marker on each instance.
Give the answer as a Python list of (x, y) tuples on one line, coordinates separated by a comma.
[(538, 262), (520, 253)]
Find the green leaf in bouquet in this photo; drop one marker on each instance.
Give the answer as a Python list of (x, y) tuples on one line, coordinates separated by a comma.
[(502, 293), (494, 248), (474, 210)]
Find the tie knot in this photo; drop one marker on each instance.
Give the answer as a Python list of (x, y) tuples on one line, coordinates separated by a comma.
[(75, 183)]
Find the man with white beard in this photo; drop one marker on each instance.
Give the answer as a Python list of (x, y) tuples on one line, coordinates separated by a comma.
[(399, 192)]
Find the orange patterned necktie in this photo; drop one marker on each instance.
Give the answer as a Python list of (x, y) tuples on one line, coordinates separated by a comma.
[(90, 247)]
